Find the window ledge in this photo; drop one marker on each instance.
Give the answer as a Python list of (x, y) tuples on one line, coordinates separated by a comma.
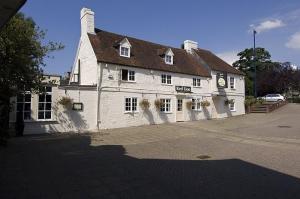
[(124, 81), (197, 86), (131, 112), (166, 112), (167, 84)]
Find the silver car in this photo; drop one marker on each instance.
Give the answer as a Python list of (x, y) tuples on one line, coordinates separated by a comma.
[(274, 98)]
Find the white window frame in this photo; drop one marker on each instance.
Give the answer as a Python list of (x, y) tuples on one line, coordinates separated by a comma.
[(122, 52), (166, 79), (232, 107), (23, 103), (133, 105), (231, 84), (166, 104), (130, 74), (169, 59), (45, 102), (196, 104), (196, 82)]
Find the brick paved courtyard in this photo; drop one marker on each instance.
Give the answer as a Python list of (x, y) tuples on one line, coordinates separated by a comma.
[(253, 156)]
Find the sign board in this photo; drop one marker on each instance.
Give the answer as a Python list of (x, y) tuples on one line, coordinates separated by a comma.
[(78, 106), (222, 80), (183, 89)]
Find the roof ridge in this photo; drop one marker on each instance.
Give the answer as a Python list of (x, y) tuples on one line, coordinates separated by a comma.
[(130, 37)]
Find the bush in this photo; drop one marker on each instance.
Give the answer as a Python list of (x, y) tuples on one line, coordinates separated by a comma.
[(144, 104), (189, 105), (66, 102), (249, 101), (294, 100)]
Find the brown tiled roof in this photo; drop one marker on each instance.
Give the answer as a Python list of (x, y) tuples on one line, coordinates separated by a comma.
[(144, 54), (216, 63)]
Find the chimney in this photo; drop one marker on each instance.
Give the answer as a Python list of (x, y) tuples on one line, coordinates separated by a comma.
[(87, 21), (188, 45)]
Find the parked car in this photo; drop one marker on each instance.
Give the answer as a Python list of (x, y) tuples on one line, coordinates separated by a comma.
[(274, 98)]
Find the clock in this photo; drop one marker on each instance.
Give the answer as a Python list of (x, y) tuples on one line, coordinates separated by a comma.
[(221, 82)]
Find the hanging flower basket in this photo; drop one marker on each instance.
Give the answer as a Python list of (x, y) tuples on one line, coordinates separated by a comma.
[(229, 101), (205, 103), (189, 105), (145, 104), (66, 102), (158, 104)]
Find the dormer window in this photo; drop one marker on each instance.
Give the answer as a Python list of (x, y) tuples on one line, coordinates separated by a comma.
[(124, 51), (125, 47), (169, 55)]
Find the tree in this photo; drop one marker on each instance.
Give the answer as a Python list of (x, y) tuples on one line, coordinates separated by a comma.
[(22, 53)]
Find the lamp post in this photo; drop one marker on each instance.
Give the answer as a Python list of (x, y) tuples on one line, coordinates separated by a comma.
[(254, 65)]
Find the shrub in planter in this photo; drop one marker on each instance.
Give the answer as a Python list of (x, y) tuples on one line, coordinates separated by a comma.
[(189, 105), (158, 104), (205, 103), (249, 101), (144, 104), (66, 102)]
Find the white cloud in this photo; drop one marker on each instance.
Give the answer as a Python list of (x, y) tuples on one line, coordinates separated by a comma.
[(294, 41), (267, 25), (229, 56)]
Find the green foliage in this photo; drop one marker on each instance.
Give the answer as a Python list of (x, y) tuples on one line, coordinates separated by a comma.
[(144, 104), (249, 101), (158, 104), (66, 102), (189, 105), (205, 103)]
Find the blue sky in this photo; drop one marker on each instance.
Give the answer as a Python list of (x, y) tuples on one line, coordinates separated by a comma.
[(218, 25)]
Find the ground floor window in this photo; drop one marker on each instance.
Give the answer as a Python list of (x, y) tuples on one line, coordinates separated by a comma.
[(45, 104), (24, 105), (196, 104), (232, 106), (165, 105), (130, 104)]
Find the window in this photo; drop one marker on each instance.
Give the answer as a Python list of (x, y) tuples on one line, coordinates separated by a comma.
[(179, 105), (196, 82), (232, 82), (232, 106), (124, 51), (166, 79), (128, 75), (169, 59), (196, 104), (45, 104), (165, 105), (24, 105), (130, 104)]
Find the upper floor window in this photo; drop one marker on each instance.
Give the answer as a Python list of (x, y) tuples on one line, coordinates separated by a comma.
[(166, 79), (232, 82), (45, 104), (169, 55), (196, 82), (196, 104), (128, 75), (130, 104), (24, 106), (125, 47)]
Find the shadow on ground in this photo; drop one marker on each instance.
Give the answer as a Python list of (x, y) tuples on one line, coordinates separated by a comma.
[(69, 167)]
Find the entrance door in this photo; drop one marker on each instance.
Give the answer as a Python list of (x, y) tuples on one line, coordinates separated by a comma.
[(179, 110)]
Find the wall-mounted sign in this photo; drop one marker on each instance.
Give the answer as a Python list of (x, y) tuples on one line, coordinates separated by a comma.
[(183, 89), (78, 106), (222, 80)]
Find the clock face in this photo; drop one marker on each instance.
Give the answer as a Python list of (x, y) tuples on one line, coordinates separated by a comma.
[(221, 82)]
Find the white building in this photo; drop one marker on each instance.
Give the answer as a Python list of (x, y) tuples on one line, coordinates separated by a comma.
[(113, 75)]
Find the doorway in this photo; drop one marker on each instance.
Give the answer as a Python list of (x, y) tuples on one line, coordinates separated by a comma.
[(179, 110)]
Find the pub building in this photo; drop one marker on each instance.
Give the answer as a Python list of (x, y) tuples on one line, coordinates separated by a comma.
[(121, 81)]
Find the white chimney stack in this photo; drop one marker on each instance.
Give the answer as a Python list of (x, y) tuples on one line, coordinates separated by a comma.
[(87, 21), (188, 45)]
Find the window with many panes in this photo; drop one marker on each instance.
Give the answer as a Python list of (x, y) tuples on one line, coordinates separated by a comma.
[(232, 82), (232, 106), (196, 104), (24, 105), (166, 79), (196, 82), (165, 105), (45, 104), (128, 75), (169, 59), (124, 51), (130, 104)]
